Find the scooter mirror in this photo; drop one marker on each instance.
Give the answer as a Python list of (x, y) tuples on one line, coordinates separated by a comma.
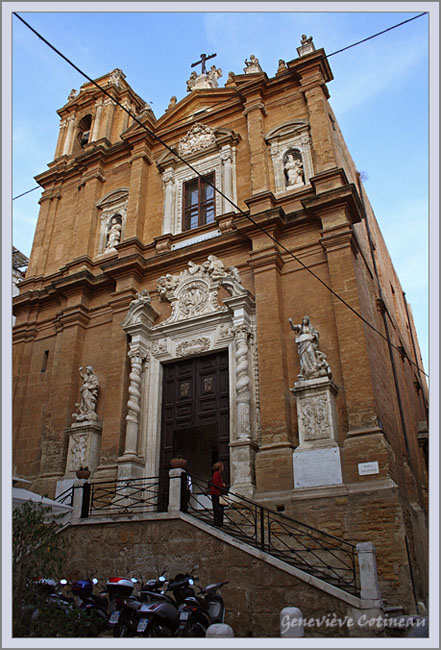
[(133, 579), (161, 579), (95, 581), (190, 581), (63, 581)]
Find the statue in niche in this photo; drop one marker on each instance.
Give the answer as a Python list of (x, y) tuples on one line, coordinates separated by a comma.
[(252, 65), (114, 234), (294, 170), (89, 395), (313, 362)]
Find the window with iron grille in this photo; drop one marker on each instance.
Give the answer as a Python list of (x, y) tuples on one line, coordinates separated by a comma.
[(199, 207)]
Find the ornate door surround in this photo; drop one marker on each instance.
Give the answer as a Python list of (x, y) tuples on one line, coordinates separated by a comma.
[(198, 323)]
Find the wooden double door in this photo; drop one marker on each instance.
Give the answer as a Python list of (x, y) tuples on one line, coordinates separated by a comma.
[(195, 416)]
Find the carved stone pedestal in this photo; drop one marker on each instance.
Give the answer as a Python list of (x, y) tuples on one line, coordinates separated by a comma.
[(84, 450), (242, 461), (316, 460)]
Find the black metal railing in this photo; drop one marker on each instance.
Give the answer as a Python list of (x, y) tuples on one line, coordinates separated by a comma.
[(66, 497), (317, 553), (123, 497)]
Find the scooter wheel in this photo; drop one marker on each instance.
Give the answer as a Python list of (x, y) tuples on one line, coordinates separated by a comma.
[(158, 629), (126, 626)]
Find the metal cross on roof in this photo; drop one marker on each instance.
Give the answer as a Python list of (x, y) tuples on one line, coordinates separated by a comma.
[(204, 58)]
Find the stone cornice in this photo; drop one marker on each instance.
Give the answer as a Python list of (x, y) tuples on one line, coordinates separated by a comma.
[(346, 196)]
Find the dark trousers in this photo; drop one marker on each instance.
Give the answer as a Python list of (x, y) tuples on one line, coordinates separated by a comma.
[(218, 510)]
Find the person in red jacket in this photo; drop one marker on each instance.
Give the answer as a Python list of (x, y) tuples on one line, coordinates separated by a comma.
[(217, 488)]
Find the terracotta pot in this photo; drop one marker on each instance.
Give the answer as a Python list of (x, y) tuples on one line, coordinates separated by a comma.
[(82, 473), (178, 462)]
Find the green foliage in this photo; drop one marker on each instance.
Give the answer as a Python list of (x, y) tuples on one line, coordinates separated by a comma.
[(38, 551)]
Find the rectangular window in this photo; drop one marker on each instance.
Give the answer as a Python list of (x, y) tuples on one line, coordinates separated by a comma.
[(198, 202), (45, 358)]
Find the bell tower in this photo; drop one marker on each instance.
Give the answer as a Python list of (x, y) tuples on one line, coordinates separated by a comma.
[(90, 115)]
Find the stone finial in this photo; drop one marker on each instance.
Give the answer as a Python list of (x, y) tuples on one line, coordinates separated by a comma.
[(172, 104), (116, 76), (252, 65), (306, 46), (72, 95), (313, 362), (230, 81), (282, 66)]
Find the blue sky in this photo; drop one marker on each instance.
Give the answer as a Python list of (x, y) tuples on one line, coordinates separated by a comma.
[(379, 93)]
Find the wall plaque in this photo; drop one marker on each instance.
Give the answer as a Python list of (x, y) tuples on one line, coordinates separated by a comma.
[(368, 468), (316, 467)]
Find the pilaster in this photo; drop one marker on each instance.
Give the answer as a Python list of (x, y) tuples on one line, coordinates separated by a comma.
[(255, 112)]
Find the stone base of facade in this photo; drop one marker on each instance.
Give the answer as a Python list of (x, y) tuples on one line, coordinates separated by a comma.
[(242, 462), (274, 467)]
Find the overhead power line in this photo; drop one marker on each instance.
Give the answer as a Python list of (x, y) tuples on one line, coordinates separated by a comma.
[(227, 100), (236, 207), (27, 192), (377, 34)]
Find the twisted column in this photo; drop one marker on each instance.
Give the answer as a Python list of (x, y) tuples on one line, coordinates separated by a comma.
[(243, 394), (136, 357)]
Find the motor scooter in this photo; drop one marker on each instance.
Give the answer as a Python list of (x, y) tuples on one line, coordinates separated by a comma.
[(96, 606), (198, 611), (120, 591)]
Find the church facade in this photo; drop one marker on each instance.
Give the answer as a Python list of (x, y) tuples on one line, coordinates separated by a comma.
[(195, 287)]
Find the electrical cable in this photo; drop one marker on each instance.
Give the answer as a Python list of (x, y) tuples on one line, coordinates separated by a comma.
[(377, 34), (27, 192), (236, 207)]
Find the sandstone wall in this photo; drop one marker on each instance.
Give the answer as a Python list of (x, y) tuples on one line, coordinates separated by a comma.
[(255, 593)]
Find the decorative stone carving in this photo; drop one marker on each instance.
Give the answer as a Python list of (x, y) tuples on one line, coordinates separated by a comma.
[(84, 447), (136, 357), (89, 395), (172, 104), (194, 291), (136, 306), (313, 362), (314, 418), (306, 46), (78, 450), (114, 234), (159, 347), (72, 95), (198, 137), (116, 76), (293, 166), (243, 394), (195, 346), (282, 66), (252, 65), (204, 80)]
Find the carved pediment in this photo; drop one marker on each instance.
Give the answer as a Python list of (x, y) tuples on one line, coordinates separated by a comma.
[(114, 198), (287, 129), (194, 291)]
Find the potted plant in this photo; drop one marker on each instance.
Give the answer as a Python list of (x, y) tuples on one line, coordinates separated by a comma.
[(178, 461), (83, 472)]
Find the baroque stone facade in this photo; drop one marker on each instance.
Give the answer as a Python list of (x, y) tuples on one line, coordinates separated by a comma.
[(117, 282)]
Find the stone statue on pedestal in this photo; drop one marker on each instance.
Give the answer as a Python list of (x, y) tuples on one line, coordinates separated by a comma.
[(89, 395), (313, 362)]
